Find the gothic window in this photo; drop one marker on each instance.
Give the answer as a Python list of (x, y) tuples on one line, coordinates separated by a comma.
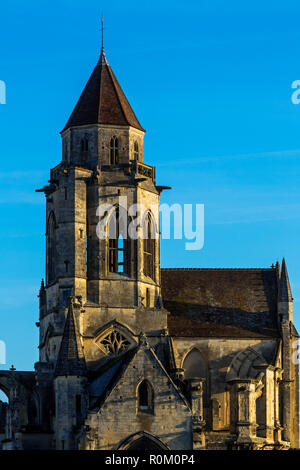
[(145, 397), (87, 248), (149, 246), (85, 144), (114, 151), (143, 442), (51, 248), (67, 262), (66, 294), (118, 245), (115, 343), (78, 405), (65, 151), (114, 340), (48, 349), (136, 151), (216, 414), (147, 297), (195, 366)]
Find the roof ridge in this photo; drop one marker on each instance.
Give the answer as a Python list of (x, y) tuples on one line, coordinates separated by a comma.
[(217, 269), (177, 389), (124, 364)]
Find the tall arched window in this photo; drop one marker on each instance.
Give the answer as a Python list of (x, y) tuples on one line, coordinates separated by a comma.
[(149, 246), (195, 366), (114, 151), (51, 248), (136, 151), (118, 244), (145, 397)]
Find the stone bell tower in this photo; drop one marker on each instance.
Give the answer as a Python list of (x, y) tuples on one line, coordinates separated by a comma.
[(102, 175)]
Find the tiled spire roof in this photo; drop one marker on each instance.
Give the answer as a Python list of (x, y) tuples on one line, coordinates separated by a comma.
[(103, 101), (70, 359)]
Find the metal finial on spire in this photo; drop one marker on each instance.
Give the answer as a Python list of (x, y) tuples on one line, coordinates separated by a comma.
[(102, 32), (102, 59)]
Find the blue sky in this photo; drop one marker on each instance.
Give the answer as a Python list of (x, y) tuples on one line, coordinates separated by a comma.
[(211, 83)]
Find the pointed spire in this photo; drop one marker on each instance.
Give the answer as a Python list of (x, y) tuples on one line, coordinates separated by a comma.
[(42, 289), (42, 293), (284, 293), (277, 268), (103, 59), (103, 101), (70, 359)]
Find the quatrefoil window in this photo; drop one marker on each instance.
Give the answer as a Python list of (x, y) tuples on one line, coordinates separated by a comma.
[(114, 343)]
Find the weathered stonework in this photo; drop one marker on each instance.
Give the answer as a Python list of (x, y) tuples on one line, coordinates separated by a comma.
[(132, 356)]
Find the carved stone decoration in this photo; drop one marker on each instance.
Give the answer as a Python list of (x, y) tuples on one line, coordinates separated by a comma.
[(113, 342)]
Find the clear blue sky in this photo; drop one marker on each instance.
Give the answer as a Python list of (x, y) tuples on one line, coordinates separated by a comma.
[(211, 83)]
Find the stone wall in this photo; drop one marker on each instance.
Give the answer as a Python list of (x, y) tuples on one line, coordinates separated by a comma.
[(120, 418)]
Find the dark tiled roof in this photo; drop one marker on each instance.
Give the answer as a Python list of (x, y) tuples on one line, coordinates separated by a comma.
[(235, 303), (103, 381), (103, 101), (70, 359)]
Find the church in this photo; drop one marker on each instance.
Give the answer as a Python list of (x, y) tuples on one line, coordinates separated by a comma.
[(132, 356)]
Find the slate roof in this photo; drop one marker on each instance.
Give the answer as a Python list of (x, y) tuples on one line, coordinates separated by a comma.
[(70, 359), (103, 101), (104, 380), (238, 303)]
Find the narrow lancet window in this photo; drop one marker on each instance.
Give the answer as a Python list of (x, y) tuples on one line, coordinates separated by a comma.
[(136, 151), (118, 246), (145, 397), (114, 151), (85, 144), (149, 246), (51, 248)]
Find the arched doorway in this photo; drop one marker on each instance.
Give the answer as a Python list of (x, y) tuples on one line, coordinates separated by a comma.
[(143, 441)]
